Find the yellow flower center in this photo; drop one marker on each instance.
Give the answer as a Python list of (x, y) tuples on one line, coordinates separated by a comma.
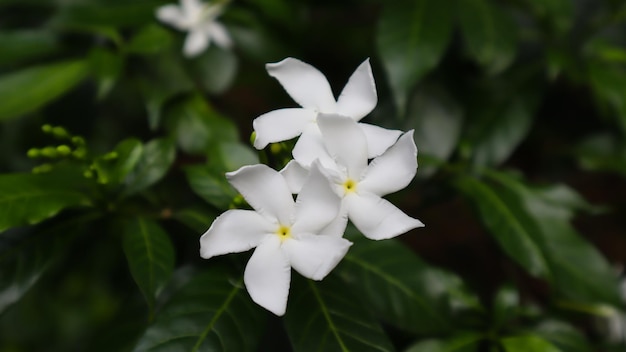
[(283, 232), (349, 186)]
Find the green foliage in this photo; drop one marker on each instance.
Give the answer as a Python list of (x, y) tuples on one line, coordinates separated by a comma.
[(29, 89), (211, 312), (150, 256)]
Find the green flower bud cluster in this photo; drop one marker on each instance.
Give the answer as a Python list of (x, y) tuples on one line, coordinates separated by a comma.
[(73, 148)]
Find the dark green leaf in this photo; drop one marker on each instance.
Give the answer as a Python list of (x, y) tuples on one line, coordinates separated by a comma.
[(196, 126), (579, 271), (559, 13), (198, 218), (505, 131), (563, 336), (602, 152), (325, 316), (156, 159), (20, 46), (411, 39), (489, 33), (115, 14), (514, 230), (106, 67), (609, 87), (527, 343), (399, 287), (230, 156), (211, 186), (464, 342), (28, 199), (27, 90), (215, 69), (437, 121), (212, 312), (150, 39), (150, 256)]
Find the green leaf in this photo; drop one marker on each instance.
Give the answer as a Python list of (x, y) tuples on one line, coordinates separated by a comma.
[(563, 336), (197, 218), (115, 169), (29, 89), (106, 67), (215, 69), (230, 156), (580, 272), (150, 256), (115, 14), (463, 342), (506, 129), (527, 343), (602, 152), (150, 39), (28, 199), (489, 33), (325, 316), (399, 287), (196, 126), (212, 312), (411, 39), (156, 159), (609, 87), (20, 46), (559, 13), (212, 186), (516, 233), (437, 121)]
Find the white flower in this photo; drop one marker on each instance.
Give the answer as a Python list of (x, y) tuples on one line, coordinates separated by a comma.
[(309, 88), (286, 234), (361, 185), (199, 19)]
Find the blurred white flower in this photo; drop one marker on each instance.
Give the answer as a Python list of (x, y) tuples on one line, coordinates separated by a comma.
[(199, 19), (361, 185), (309, 88), (286, 234)]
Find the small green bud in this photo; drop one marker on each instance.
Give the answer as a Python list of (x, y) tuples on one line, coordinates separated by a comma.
[(110, 156), (78, 140), (46, 128), (253, 137), (79, 153), (64, 150), (275, 148), (59, 132), (33, 153), (49, 152), (88, 174)]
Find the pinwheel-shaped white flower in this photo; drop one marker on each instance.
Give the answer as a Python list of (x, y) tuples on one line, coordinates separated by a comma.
[(309, 88), (361, 185), (286, 234), (199, 19)]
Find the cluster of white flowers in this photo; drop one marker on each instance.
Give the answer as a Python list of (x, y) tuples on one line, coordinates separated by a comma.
[(340, 171), (200, 20)]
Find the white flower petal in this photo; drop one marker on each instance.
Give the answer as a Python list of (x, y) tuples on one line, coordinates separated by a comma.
[(196, 42), (310, 147), (393, 170), (377, 218), (317, 204), (345, 141), (268, 275), (234, 231), (338, 226), (304, 83), (358, 97), (265, 190), (314, 256), (280, 125), (220, 36), (378, 139), (172, 15), (192, 7), (295, 175)]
